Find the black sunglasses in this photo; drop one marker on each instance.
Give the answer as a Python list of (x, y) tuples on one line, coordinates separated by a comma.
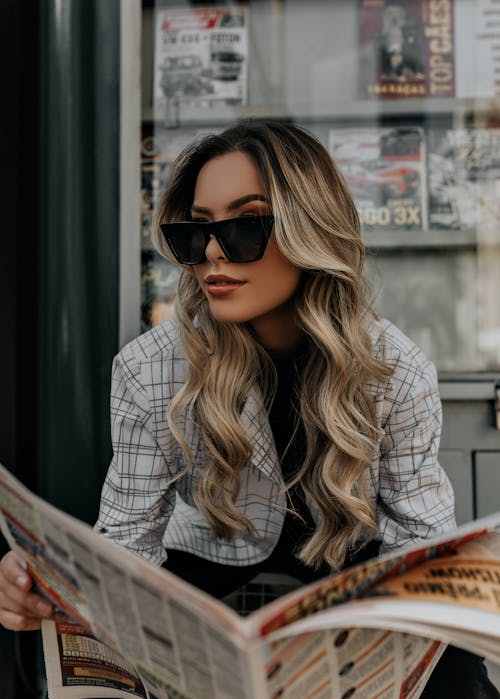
[(242, 239)]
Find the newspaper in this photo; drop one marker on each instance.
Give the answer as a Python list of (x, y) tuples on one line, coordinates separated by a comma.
[(201, 58), (80, 665), (130, 628)]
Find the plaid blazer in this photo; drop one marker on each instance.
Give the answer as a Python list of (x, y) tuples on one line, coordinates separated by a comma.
[(147, 498)]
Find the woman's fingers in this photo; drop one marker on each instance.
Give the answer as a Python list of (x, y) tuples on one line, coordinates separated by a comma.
[(19, 607), (15, 600), (18, 622)]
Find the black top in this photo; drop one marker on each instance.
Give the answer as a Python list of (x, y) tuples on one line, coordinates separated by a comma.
[(284, 418)]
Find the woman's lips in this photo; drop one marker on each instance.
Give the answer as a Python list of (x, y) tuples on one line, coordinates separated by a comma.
[(220, 285)]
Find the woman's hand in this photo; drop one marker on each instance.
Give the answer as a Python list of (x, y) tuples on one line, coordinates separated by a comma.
[(20, 609)]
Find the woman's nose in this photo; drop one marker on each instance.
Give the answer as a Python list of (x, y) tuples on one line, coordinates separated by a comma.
[(213, 251)]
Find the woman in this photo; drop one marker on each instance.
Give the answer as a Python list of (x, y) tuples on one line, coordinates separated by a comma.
[(272, 285), (276, 424)]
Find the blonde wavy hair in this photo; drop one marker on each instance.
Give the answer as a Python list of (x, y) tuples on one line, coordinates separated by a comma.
[(317, 229)]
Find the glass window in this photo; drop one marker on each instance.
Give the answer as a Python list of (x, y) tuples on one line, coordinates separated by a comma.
[(406, 97)]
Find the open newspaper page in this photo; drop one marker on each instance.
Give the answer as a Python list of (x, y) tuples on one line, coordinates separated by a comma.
[(79, 666), (350, 661), (331, 635), (360, 650), (182, 642), (459, 573)]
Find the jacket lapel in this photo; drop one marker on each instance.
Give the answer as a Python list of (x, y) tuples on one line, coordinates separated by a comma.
[(256, 425)]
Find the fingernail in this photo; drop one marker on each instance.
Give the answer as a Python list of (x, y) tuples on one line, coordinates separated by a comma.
[(22, 580), (44, 608)]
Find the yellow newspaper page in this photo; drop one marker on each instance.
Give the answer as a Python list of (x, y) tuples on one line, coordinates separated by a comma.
[(469, 576)]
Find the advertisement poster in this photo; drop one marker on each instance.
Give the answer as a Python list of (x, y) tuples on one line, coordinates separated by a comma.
[(406, 48), (201, 57), (385, 171)]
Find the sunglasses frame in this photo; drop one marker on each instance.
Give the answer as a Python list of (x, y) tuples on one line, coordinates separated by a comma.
[(212, 228)]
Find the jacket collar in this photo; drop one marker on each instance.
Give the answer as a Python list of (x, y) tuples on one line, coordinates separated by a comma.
[(256, 426)]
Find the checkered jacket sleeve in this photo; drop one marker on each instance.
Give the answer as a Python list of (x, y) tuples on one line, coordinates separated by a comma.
[(138, 497), (414, 497)]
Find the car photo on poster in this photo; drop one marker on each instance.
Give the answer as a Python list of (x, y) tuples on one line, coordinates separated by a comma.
[(384, 168), (201, 58), (185, 76), (226, 65)]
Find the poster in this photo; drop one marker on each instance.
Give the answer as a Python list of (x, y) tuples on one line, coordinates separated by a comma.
[(201, 57), (385, 171), (406, 48)]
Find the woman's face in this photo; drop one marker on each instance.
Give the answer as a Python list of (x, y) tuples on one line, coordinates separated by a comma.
[(260, 293)]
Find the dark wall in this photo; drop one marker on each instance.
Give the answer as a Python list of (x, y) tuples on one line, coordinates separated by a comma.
[(19, 187), (19, 309)]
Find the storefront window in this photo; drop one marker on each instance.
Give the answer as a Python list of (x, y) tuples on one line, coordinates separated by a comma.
[(406, 97)]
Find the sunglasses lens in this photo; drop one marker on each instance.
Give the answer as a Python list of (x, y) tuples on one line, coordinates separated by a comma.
[(244, 238), (188, 242)]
